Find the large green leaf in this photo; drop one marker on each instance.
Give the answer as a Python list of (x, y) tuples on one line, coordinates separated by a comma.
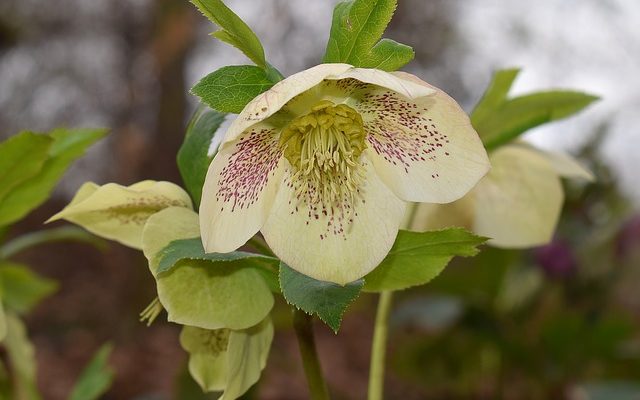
[(328, 300), (21, 157), (230, 88), (21, 288), (193, 156), (499, 120), (96, 378), (67, 146), (234, 31), (355, 36), (418, 257)]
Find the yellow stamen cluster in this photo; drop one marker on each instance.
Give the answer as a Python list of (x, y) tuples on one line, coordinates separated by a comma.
[(324, 148)]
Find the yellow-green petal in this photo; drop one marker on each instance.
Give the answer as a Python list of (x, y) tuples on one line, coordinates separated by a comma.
[(334, 244), (207, 356), (119, 213), (204, 294), (518, 203)]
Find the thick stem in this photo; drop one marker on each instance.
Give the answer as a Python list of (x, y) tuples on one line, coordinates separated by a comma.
[(379, 346), (302, 323)]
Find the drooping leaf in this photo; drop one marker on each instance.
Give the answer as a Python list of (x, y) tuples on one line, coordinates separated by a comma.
[(21, 157), (234, 31), (230, 88), (96, 378), (21, 288), (193, 156), (418, 257), (68, 145), (328, 300), (355, 36), (118, 212), (499, 119), (21, 354), (205, 294)]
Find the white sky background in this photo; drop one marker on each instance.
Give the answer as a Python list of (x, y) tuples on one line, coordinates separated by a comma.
[(587, 45)]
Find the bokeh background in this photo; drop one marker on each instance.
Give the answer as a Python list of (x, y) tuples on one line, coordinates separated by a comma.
[(561, 321)]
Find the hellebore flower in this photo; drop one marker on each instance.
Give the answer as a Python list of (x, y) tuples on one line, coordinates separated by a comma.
[(324, 162), (517, 204)]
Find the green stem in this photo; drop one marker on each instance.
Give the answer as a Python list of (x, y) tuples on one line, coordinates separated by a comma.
[(302, 323), (65, 233), (379, 346)]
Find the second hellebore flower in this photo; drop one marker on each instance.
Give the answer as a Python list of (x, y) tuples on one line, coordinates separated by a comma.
[(324, 162)]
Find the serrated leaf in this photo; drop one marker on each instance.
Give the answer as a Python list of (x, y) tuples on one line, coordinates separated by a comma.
[(499, 120), (67, 146), (203, 293), (230, 88), (21, 157), (355, 36), (192, 249), (21, 288), (234, 31), (327, 300), (193, 157), (418, 257), (96, 378)]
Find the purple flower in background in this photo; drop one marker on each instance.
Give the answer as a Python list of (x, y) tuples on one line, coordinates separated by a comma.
[(628, 237), (556, 259)]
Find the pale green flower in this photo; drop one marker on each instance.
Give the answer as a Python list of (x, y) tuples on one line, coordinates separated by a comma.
[(517, 204), (324, 163)]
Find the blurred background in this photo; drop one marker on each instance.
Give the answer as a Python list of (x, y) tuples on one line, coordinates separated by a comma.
[(557, 322)]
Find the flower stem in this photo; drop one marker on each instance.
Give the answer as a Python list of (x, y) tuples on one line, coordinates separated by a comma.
[(379, 346), (302, 323), (64, 233)]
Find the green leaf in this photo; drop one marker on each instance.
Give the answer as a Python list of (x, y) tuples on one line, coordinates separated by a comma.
[(495, 94), (67, 146), (192, 249), (96, 378), (418, 257), (21, 157), (21, 288), (326, 299), (22, 359), (203, 293), (499, 120), (234, 31), (230, 88), (193, 156), (355, 36)]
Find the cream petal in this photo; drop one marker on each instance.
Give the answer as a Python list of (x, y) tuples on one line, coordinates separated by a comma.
[(425, 149), (568, 167), (397, 83), (518, 203), (335, 245), (269, 102), (430, 217), (239, 189)]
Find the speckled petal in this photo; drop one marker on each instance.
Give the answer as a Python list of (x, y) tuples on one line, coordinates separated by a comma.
[(269, 102), (425, 149), (239, 189), (338, 244), (518, 203), (396, 83)]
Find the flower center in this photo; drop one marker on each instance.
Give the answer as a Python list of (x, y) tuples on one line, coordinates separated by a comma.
[(324, 148)]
